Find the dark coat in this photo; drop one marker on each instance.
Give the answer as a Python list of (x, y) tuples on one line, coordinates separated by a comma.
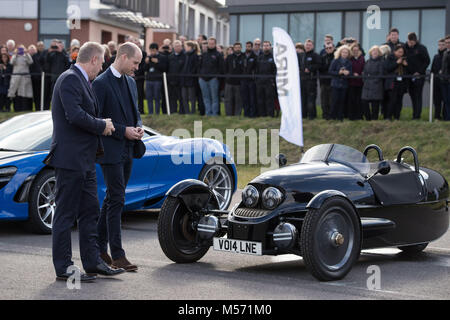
[(58, 62), (311, 61), (140, 72), (176, 65), (326, 59), (211, 62), (5, 78), (265, 66), (190, 67), (155, 70), (339, 81), (373, 87), (250, 61), (112, 105), (76, 124), (357, 67), (392, 69), (418, 58), (234, 64)]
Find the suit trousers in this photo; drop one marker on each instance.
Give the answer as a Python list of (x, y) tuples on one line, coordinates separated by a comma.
[(110, 224), (248, 95), (233, 101), (265, 94), (76, 200)]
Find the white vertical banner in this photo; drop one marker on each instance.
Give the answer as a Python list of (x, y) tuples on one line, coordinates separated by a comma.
[(288, 86)]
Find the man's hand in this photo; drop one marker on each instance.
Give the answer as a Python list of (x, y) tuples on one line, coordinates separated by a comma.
[(133, 133), (109, 129)]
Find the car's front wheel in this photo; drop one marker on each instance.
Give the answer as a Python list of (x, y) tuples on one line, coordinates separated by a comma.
[(330, 239), (177, 232), (41, 203), (219, 179)]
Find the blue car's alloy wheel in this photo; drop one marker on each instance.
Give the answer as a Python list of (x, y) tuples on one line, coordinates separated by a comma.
[(218, 178), (42, 203)]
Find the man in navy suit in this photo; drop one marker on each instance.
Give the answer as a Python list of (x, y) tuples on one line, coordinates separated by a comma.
[(117, 95), (76, 144)]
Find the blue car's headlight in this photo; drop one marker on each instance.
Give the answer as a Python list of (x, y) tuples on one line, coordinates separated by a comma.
[(271, 198), (6, 175), (250, 196)]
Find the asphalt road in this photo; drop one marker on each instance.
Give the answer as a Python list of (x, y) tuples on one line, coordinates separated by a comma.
[(27, 272)]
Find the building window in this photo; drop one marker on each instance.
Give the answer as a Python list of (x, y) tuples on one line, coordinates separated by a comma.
[(432, 28), (120, 38), (210, 27), (250, 27), (191, 24), (233, 29), (219, 32), (301, 26), (202, 24), (329, 23), (405, 21), (106, 36), (53, 21), (352, 24), (274, 20), (372, 37)]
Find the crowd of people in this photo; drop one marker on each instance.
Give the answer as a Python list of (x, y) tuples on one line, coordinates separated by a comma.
[(200, 73)]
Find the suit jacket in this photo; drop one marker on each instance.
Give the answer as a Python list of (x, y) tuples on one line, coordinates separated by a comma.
[(76, 126), (112, 105)]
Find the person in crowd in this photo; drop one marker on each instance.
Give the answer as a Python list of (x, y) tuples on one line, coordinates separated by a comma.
[(308, 75), (57, 60), (418, 61), (396, 66), (200, 39), (248, 86), (373, 89), (165, 50), (327, 40), (204, 46), (257, 47), (303, 79), (167, 46), (6, 70), (74, 54), (11, 47), (183, 40), (436, 67), (445, 78), (211, 63), (340, 68), (188, 88), (355, 85), (234, 65), (139, 76), (74, 43), (325, 83), (265, 86), (299, 48), (393, 39), (40, 47), (21, 88), (385, 53), (35, 70), (155, 66), (108, 57), (176, 64), (228, 52), (112, 46), (220, 48), (3, 49)]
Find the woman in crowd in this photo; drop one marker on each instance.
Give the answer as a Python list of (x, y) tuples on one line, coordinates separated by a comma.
[(5, 78), (188, 89), (355, 84), (385, 53), (21, 89), (373, 89), (74, 55), (108, 58), (396, 66), (340, 68)]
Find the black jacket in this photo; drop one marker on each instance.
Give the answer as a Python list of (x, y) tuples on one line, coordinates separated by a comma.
[(176, 65), (436, 66), (155, 70), (57, 62), (250, 61), (393, 45), (190, 67), (418, 58), (311, 61), (445, 69), (326, 60), (394, 70), (140, 72), (265, 65), (211, 62), (5, 78), (36, 68), (234, 64), (76, 124)]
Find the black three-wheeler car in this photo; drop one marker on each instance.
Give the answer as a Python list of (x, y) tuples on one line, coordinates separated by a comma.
[(327, 208)]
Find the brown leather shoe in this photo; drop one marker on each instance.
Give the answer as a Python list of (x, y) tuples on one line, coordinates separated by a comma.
[(125, 264), (105, 257)]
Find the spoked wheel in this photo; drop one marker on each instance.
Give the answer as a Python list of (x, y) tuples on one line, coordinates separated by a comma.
[(42, 203), (413, 249), (177, 233), (218, 178), (331, 239)]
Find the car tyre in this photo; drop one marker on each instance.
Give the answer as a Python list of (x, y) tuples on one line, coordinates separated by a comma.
[(330, 239), (42, 188), (176, 236), (219, 178)]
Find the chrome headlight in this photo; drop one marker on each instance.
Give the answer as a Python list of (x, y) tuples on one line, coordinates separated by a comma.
[(250, 196), (6, 175), (271, 198)]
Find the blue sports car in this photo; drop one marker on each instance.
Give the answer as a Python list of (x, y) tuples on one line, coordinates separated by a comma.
[(27, 185)]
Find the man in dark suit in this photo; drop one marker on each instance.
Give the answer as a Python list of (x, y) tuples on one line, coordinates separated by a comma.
[(117, 95), (75, 145)]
